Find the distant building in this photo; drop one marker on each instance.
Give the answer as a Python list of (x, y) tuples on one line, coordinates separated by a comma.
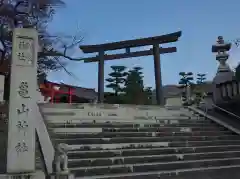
[(67, 93), (172, 93)]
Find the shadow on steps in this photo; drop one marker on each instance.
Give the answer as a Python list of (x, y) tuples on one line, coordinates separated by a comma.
[(232, 118)]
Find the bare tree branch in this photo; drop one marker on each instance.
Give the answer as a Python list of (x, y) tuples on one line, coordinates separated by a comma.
[(64, 47), (237, 42), (36, 13), (57, 54)]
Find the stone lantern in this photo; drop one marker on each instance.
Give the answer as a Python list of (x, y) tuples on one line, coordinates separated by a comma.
[(224, 73)]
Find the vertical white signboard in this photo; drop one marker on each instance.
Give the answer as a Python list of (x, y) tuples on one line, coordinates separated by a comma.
[(22, 107)]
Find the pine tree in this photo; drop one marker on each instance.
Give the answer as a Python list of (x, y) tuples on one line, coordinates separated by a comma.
[(199, 93), (148, 95), (201, 77), (185, 82), (116, 79), (134, 87)]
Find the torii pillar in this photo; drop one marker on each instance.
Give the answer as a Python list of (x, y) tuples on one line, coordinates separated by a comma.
[(101, 77), (158, 75)]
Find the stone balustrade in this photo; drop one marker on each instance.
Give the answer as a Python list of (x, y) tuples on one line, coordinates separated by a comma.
[(228, 91)]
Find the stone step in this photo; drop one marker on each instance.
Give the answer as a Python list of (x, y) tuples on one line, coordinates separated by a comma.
[(62, 133), (149, 151), (68, 120), (158, 129), (78, 106), (73, 126), (117, 140), (147, 145), (221, 172), (95, 124), (94, 162), (150, 167), (141, 129), (94, 111)]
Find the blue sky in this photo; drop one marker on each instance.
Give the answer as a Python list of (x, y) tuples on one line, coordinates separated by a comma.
[(107, 20)]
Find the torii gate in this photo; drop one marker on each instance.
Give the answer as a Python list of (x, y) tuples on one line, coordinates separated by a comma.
[(127, 45)]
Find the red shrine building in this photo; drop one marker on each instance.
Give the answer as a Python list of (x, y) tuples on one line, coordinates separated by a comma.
[(63, 93)]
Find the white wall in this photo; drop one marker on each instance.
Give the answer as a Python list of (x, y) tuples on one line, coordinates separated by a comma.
[(174, 101)]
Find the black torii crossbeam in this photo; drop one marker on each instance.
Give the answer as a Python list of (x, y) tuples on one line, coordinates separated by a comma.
[(127, 45)]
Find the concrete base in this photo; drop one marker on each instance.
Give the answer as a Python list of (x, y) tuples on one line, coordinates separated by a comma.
[(63, 176), (37, 175)]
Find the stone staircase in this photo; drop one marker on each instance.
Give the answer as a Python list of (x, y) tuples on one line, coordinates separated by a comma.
[(142, 142)]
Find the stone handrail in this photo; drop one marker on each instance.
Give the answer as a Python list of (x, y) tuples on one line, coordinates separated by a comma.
[(215, 119), (228, 112), (45, 141), (227, 92)]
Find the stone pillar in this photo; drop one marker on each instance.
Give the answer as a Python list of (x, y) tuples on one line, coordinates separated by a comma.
[(188, 93), (101, 77), (224, 73), (158, 75), (22, 103)]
